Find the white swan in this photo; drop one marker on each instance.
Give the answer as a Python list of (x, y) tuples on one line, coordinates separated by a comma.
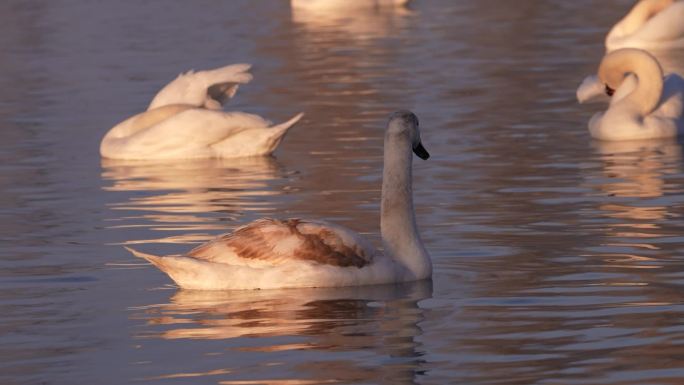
[(348, 19), (643, 105), (651, 24), (269, 253), (338, 4), (184, 120)]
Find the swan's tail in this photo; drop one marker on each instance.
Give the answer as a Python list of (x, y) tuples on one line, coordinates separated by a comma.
[(277, 132), (190, 273), (257, 141), (153, 259)]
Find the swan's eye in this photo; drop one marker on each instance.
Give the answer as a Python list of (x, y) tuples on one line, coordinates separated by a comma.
[(609, 91)]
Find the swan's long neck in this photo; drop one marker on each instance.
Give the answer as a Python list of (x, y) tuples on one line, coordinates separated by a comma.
[(649, 89), (638, 16), (398, 221)]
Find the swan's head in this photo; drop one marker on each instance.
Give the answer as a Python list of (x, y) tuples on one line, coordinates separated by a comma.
[(615, 66), (592, 89), (624, 70), (404, 124)]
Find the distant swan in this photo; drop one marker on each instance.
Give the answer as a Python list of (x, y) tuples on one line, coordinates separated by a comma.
[(336, 4), (643, 104), (651, 24), (270, 253), (185, 120)]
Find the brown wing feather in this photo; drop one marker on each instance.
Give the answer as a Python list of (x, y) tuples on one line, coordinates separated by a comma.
[(259, 241)]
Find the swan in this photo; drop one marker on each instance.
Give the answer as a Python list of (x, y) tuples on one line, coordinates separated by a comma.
[(349, 19), (651, 24), (270, 253), (337, 4), (185, 120), (643, 103)]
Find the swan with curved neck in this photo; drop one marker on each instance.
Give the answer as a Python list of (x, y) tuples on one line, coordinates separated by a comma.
[(185, 120), (644, 104), (651, 24), (270, 253)]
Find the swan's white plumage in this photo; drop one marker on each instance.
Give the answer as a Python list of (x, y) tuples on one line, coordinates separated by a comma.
[(209, 89), (651, 24), (270, 242), (270, 253), (341, 4), (185, 120), (592, 90), (645, 104), (349, 19)]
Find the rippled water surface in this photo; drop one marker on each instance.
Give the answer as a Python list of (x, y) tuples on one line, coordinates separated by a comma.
[(558, 260)]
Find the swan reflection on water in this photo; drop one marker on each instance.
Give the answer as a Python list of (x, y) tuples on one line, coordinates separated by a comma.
[(636, 168), (177, 194), (634, 178), (382, 321)]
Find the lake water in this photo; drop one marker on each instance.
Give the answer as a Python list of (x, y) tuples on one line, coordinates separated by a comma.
[(558, 260)]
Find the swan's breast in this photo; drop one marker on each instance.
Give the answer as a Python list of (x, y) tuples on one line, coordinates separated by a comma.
[(270, 242)]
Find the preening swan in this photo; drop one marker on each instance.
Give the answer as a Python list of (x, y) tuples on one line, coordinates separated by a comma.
[(643, 105), (185, 120), (270, 253), (651, 24)]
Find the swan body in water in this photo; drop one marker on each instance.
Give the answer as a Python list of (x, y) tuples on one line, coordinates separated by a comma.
[(651, 24), (185, 120), (270, 253), (337, 4), (644, 104), (349, 19)]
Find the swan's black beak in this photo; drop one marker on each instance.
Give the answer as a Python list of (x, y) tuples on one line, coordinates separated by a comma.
[(421, 151), (609, 91)]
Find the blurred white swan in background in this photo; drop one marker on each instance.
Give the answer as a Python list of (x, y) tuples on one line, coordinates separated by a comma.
[(651, 24), (644, 104), (336, 4), (359, 19), (185, 120), (269, 253)]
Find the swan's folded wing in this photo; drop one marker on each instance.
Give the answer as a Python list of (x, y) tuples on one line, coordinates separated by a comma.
[(190, 133), (667, 25), (269, 242), (209, 88)]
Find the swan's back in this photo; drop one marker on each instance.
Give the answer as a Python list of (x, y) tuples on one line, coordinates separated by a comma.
[(269, 242), (663, 30), (190, 133), (667, 25)]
